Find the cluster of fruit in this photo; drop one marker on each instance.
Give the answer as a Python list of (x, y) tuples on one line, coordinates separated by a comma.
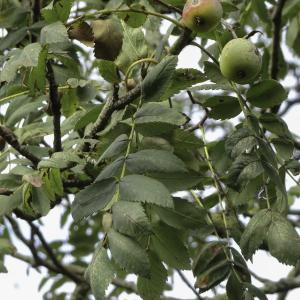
[(240, 60)]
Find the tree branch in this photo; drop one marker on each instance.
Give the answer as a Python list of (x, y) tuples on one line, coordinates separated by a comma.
[(281, 286), (36, 10), (56, 267), (55, 107), (52, 255), (12, 140)]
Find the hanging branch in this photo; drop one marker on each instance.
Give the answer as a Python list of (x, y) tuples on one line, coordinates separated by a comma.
[(12, 140), (55, 106)]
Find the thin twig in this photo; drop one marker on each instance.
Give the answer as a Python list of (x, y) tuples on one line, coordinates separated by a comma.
[(12, 140), (52, 255), (169, 6), (185, 280), (206, 52)]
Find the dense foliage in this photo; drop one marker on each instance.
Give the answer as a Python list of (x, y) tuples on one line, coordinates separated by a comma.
[(97, 119)]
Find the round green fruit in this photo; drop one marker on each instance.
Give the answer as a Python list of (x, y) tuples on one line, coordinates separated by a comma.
[(240, 61), (108, 38), (202, 15)]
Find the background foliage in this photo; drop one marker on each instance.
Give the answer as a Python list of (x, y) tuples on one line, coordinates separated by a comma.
[(109, 138)]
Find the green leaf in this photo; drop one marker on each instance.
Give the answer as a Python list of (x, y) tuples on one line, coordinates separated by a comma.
[(40, 200), (100, 273), (266, 93), (115, 148), (133, 19), (168, 246), (111, 170), (2, 267), (14, 37), (30, 55), (56, 181), (222, 107), (61, 160), (240, 141), (129, 254), (151, 160), (27, 57), (134, 47), (130, 218), (239, 276), (9, 203), (57, 11), (139, 188), (213, 73), (54, 33), (23, 111), (6, 246), (159, 79), (184, 215), (108, 70), (261, 9), (283, 240), (212, 276), (151, 289), (10, 181), (89, 117), (284, 147), (11, 66), (255, 232), (182, 140), (183, 79), (37, 77), (243, 169), (175, 182), (234, 287), (207, 256), (275, 125), (275, 177), (156, 118), (69, 102), (254, 291), (93, 198)]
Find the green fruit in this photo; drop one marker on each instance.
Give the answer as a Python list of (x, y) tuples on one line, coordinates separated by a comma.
[(240, 61), (107, 222), (202, 15), (108, 38)]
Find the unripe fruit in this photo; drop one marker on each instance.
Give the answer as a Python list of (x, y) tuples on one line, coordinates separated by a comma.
[(108, 38), (131, 84), (202, 15), (107, 222), (240, 61)]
